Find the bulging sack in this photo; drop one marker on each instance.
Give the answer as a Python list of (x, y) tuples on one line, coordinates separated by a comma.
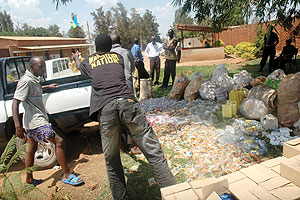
[(221, 79), (242, 79), (192, 90), (254, 109), (265, 94), (180, 83), (258, 81), (145, 89), (207, 90)]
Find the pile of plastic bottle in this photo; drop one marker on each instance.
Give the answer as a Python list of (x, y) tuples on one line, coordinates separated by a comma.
[(187, 128)]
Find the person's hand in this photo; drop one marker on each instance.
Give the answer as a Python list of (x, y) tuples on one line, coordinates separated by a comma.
[(75, 56), (53, 85), (20, 132)]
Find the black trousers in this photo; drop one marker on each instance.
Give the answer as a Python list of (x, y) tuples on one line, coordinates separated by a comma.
[(155, 65), (170, 69), (112, 117), (268, 51), (178, 56)]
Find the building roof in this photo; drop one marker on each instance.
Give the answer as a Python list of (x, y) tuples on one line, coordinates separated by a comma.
[(39, 38), (191, 27), (42, 48)]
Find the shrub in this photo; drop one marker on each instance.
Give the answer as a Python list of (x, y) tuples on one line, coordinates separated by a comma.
[(218, 43), (229, 49), (245, 48), (259, 41)]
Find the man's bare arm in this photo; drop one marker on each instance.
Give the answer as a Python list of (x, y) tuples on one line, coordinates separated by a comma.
[(15, 111)]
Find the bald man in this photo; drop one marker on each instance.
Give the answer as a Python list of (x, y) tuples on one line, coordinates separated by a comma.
[(36, 126)]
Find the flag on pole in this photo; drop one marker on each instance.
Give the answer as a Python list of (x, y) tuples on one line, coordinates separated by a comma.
[(74, 22)]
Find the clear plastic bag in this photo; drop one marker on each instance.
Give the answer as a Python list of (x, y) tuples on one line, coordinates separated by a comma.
[(253, 109), (243, 78)]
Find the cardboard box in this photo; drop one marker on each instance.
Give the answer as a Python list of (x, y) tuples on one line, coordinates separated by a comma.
[(290, 169), (183, 195), (274, 183), (291, 148), (255, 175), (205, 187), (245, 195), (235, 176), (243, 184), (262, 193), (166, 191), (290, 191), (273, 162), (265, 170), (276, 169), (213, 196)]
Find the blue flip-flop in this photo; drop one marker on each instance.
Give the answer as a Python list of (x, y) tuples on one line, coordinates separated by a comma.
[(34, 183), (72, 180)]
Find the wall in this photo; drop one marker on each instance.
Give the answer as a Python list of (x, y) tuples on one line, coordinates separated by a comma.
[(200, 54), (247, 33)]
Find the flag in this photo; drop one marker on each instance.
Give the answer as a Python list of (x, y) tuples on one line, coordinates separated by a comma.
[(74, 22)]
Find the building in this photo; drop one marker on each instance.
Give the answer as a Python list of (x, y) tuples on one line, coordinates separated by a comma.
[(48, 47)]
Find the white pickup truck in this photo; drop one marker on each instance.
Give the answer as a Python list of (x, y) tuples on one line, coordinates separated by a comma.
[(67, 105)]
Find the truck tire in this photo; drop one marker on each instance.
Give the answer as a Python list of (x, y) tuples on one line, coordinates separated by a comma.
[(44, 156)]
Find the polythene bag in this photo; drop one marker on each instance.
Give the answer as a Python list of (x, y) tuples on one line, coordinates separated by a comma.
[(258, 81), (221, 79), (254, 109), (180, 83), (192, 90), (277, 74), (145, 89), (221, 95), (265, 94), (207, 90), (243, 78)]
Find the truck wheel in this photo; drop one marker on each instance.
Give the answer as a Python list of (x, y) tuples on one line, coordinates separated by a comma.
[(44, 156)]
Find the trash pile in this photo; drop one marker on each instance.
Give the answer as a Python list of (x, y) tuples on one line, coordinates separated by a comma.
[(188, 126)]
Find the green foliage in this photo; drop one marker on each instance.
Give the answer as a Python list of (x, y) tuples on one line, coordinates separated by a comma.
[(226, 12), (218, 43), (60, 2), (6, 24), (259, 41), (229, 49), (245, 50), (77, 32)]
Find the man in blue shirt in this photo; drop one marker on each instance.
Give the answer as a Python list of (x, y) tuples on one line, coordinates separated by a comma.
[(138, 61)]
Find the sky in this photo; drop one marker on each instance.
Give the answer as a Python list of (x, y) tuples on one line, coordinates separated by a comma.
[(42, 13)]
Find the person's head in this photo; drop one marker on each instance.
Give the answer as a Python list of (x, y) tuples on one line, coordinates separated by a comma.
[(206, 42), (170, 33), (179, 39), (37, 66), (288, 42), (103, 43), (153, 39), (190, 43), (136, 41), (115, 39)]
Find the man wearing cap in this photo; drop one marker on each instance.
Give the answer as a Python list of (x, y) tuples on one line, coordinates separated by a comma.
[(170, 54)]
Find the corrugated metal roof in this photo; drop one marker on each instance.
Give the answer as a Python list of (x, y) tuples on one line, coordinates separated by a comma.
[(41, 48), (39, 38), (191, 27)]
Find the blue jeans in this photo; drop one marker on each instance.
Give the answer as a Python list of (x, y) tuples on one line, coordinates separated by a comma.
[(124, 112)]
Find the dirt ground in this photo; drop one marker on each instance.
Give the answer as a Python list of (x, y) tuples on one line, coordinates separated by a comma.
[(85, 158)]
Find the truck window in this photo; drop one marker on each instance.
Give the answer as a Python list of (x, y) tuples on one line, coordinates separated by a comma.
[(11, 72), (55, 67)]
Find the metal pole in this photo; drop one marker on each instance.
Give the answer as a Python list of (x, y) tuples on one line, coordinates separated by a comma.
[(90, 41)]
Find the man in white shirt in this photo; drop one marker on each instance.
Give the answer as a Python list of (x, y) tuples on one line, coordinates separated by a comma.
[(152, 51)]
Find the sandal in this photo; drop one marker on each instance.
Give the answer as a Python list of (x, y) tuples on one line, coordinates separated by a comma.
[(34, 183), (72, 180)]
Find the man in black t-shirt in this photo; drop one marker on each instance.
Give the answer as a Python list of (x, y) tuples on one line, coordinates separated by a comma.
[(269, 50), (114, 106)]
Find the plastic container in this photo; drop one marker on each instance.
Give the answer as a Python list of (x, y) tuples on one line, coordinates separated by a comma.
[(227, 110), (238, 96)]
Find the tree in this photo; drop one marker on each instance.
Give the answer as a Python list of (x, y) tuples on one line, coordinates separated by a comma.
[(102, 21), (150, 26), (6, 24), (54, 31), (224, 12), (27, 30), (77, 32), (182, 18), (59, 2)]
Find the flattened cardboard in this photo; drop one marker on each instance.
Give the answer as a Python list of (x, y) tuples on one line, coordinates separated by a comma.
[(276, 169), (235, 176), (183, 195), (290, 191), (297, 157), (262, 193), (213, 196), (243, 184), (245, 195), (255, 175), (273, 162), (291, 148), (290, 170), (274, 183), (267, 171), (174, 189), (203, 182), (219, 186)]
